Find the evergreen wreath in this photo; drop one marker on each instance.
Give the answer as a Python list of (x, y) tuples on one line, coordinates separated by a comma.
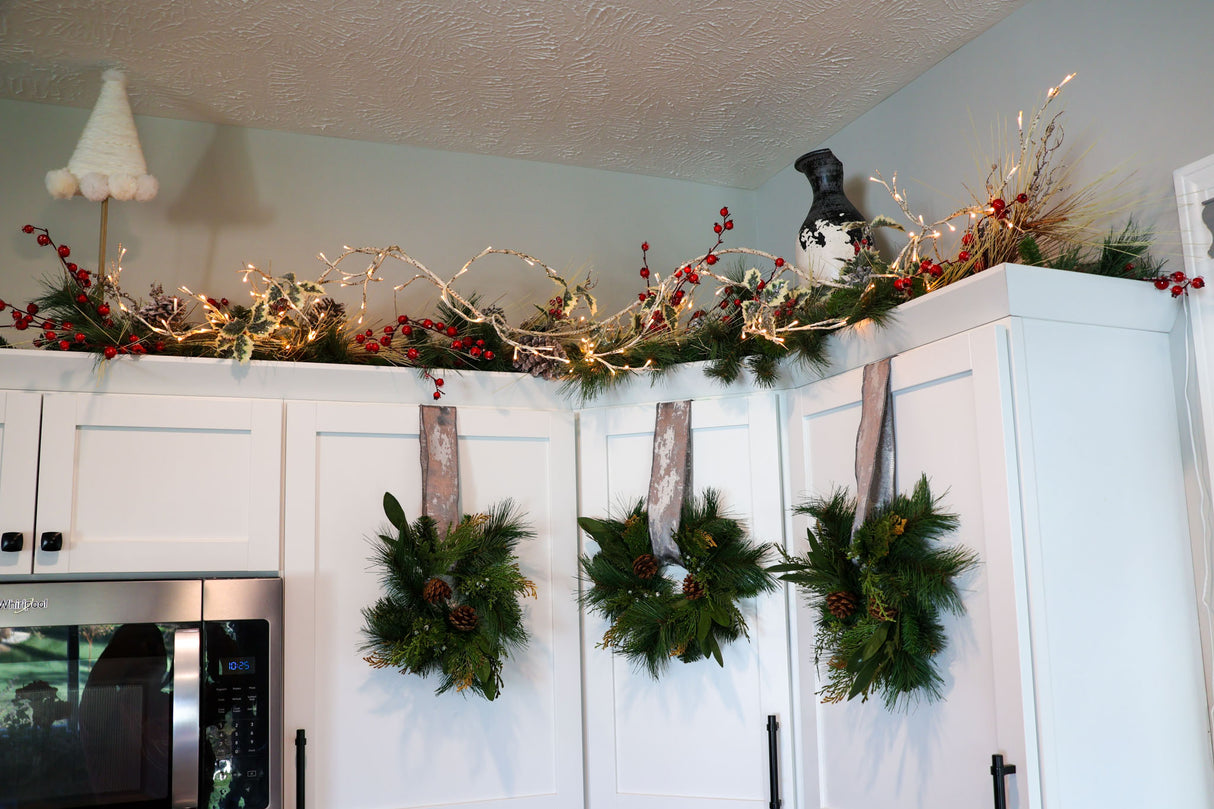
[(879, 593), (452, 602), (652, 617)]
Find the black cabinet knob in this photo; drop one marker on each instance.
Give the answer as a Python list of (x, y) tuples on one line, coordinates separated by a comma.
[(52, 541), (12, 541)]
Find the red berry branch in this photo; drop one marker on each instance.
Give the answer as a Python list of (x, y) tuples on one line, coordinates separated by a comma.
[(1179, 283)]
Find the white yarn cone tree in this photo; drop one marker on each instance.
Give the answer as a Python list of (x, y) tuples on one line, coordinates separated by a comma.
[(108, 161)]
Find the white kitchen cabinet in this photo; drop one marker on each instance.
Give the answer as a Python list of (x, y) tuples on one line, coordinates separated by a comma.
[(1052, 431), (697, 737), (140, 485), (19, 418), (377, 738)]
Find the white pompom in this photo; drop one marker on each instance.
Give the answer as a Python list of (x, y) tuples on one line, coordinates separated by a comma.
[(146, 187), (95, 186), (61, 184), (122, 186)]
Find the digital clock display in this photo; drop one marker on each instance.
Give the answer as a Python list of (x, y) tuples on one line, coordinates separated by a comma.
[(237, 665)]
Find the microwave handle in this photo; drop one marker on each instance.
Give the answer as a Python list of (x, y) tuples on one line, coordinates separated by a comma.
[(187, 688)]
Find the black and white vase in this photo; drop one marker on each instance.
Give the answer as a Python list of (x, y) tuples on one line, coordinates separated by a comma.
[(824, 244)]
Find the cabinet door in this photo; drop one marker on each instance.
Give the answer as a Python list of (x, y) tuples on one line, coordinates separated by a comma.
[(149, 484), (19, 415), (952, 423), (378, 738), (696, 737)]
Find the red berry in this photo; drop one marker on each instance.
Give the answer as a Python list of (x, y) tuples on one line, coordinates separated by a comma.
[(107, 322), (224, 302), (644, 272), (72, 266), (710, 259), (762, 285), (474, 351), (480, 343), (1178, 277), (43, 239), (737, 301), (49, 335), (160, 345), (132, 338), (724, 212), (27, 229), (21, 325), (439, 382), (693, 278), (641, 296), (373, 347), (967, 238), (678, 273), (32, 308), (457, 345), (389, 329), (64, 345), (122, 350), (386, 339), (360, 338), (1161, 283), (1198, 282), (729, 225), (452, 331), (1177, 291), (1022, 198), (64, 251), (717, 228), (644, 247), (963, 256), (998, 205), (412, 353), (402, 320), (78, 337), (488, 355), (779, 262), (427, 323), (936, 271), (437, 395), (67, 326), (103, 309), (110, 352), (440, 326), (82, 298), (2, 305)]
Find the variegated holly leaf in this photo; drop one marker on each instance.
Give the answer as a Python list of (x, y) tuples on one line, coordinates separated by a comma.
[(752, 278), (242, 348), (882, 221)]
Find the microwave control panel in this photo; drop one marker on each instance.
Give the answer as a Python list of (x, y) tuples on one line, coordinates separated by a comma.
[(236, 715)]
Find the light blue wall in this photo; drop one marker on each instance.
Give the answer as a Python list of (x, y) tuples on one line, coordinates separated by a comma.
[(1142, 103), (230, 195)]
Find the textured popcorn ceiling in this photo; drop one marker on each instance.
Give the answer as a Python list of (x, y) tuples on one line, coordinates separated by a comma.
[(717, 91)]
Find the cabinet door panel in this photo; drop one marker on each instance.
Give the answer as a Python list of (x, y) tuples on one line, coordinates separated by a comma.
[(932, 754), (386, 739), (19, 417), (159, 484), (696, 737)]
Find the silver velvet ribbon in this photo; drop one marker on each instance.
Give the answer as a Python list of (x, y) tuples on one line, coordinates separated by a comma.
[(875, 441), (440, 466), (669, 477)]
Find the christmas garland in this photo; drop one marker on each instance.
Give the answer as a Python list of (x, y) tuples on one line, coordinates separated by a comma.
[(879, 594), (652, 617), (452, 602)]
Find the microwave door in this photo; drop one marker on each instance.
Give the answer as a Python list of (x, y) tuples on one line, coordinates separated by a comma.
[(89, 709)]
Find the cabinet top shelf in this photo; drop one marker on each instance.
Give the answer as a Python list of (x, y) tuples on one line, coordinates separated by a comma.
[(1008, 290)]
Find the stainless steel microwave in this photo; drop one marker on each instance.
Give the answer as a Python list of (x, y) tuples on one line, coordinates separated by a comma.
[(141, 694)]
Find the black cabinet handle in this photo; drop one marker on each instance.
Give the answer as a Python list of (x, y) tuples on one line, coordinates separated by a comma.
[(52, 541), (998, 771), (773, 760), (301, 761), (12, 541)]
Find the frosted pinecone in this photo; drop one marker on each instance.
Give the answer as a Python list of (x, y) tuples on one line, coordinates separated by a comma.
[(546, 365), (326, 309), (162, 310)]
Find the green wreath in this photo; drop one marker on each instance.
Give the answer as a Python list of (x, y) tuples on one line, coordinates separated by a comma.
[(452, 602), (879, 594), (652, 618)]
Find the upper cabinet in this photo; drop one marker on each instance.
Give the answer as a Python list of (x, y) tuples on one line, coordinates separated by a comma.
[(140, 484), (382, 738), (1054, 436)]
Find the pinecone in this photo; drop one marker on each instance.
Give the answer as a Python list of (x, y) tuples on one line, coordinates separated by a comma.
[(463, 618), (645, 566), (436, 590), (692, 589), (546, 365), (881, 612), (326, 308), (841, 603), (161, 310)]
